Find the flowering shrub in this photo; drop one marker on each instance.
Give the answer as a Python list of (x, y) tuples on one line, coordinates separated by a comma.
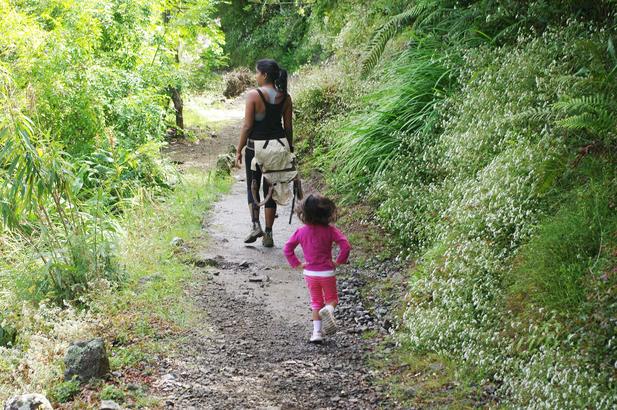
[(44, 332), (505, 167), (486, 166)]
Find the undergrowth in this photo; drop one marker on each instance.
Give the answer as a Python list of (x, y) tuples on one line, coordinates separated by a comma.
[(492, 165), (133, 317)]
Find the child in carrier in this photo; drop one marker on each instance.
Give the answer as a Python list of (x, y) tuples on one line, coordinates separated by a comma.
[(316, 238)]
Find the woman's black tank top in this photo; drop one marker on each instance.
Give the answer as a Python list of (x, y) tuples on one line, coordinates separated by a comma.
[(270, 127)]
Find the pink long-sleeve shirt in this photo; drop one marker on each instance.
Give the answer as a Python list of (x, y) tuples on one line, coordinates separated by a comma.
[(316, 242)]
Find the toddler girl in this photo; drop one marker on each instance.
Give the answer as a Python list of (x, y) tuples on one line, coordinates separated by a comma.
[(316, 238)]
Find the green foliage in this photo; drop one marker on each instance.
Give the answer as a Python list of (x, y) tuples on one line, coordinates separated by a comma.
[(400, 112), (489, 156), (84, 114), (266, 32), (126, 357), (295, 33), (65, 391), (390, 29), (498, 22), (111, 392), (7, 335), (594, 114), (571, 248), (319, 99)]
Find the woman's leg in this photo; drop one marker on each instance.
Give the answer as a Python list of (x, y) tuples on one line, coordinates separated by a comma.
[(270, 207), (256, 231), (270, 213), (250, 175)]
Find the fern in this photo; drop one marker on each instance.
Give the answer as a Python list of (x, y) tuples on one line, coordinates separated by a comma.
[(594, 114), (387, 31)]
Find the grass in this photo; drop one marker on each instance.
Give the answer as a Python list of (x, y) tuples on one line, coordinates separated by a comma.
[(146, 317), (205, 113), (426, 381), (570, 249), (402, 110)]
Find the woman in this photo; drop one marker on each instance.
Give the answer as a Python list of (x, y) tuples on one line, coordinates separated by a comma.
[(265, 106)]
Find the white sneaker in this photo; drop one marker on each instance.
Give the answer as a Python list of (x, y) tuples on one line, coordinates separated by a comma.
[(316, 337), (328, 324)]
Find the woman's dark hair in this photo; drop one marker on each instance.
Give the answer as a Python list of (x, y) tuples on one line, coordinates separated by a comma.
[(316, 210), (274, 74)]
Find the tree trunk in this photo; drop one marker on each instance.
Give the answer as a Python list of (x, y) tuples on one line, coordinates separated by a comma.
[(176, 98)]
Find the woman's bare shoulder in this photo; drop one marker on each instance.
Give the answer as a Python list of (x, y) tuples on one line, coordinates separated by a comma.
[(251, 94)]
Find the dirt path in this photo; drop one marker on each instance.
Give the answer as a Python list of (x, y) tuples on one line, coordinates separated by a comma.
[(252, 350)]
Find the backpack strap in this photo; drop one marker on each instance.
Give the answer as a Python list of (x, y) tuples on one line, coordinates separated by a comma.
[(262, 96)]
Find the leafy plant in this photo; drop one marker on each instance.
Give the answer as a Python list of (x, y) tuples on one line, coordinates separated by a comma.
[(482, 20), (65, 391), (406, 105), (391, 28), (594, 114), (111, 392)]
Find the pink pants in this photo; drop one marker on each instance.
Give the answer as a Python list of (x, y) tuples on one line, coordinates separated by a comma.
[(322, 290)]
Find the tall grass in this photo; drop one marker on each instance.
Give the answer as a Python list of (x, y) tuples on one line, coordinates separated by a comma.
[(405, 105), (570, 248), (134, 318)]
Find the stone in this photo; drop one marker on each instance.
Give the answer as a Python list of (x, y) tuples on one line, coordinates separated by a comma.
[(436, 367), (409, 393), (110, 405), (28, 402), (224, 163), (215, 262), (176, 241), (490, 389), (86, 360)]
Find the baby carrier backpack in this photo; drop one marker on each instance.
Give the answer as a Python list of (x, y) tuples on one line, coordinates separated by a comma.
[(278, 167)]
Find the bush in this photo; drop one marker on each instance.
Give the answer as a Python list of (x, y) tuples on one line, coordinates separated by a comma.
[(570, 249), (111, 392), (398, 123), (505, 169), (487, 164), (65, 391), (238, 81)]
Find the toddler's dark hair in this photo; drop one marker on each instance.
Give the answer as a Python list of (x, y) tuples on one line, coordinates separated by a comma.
[(316, 210)]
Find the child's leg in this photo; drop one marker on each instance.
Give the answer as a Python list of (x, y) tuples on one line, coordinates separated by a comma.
[(327, 312), (317, 300), (330, 292)]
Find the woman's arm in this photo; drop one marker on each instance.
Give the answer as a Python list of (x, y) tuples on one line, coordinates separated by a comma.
[(247, 126), (287, 122)]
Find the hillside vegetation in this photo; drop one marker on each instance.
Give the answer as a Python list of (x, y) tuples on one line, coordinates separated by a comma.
[(86, 96), (483, 135)]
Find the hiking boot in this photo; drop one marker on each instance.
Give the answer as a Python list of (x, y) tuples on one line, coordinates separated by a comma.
[(328, 324), (255, 233), (267, 240), (316, 337)]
